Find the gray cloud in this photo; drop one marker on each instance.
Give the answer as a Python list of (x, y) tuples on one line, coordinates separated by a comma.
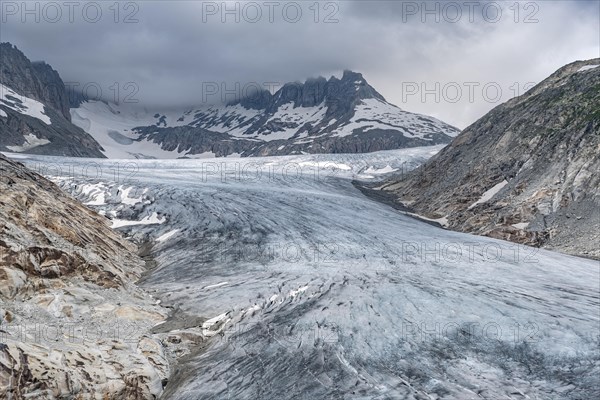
[(173, 50)]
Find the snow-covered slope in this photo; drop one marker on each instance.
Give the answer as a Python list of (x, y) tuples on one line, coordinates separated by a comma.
[(113, 126), (318, 116), (308, 289), (22, 104)]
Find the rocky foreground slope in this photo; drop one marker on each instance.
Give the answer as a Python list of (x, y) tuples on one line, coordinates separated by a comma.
[(34, 110), (528, 171), (73, 324)]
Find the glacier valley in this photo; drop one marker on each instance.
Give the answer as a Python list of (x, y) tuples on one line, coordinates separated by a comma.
[(307, 289)]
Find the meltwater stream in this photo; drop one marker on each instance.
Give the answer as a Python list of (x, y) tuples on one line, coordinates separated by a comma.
[(319, 292)]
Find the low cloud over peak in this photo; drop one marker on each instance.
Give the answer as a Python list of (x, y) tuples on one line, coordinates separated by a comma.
[(454, 62)]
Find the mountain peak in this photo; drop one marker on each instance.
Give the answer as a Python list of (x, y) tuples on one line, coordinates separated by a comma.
[(257, 100), (317, 79), (313, 91), (36, 80), (351, 75)]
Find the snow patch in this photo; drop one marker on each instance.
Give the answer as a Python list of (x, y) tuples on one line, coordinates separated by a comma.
[(22, 104), (385, 170), (112, 127), (521, 225), (376, 114), (325, 165), (587, 68), (442, 221), (167, 236), (489, 194), (208, 325), (294, 293), (125, 199), (96, 192), (292, 119), (201, 156), (31, 141), (216, 285), (150, 220)]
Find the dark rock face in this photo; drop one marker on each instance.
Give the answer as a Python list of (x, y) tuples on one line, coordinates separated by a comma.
[(198, 140), (65, 138), (38, 81), (195, 140), (340, 95), (257, 101), (545, 146), (35, 80)]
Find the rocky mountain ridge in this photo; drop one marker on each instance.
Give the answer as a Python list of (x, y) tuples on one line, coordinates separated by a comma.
[(36, 80), (34, 110), (526, 172), (344, 115)]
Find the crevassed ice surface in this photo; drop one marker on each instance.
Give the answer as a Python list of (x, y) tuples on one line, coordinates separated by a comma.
[(318, 292)]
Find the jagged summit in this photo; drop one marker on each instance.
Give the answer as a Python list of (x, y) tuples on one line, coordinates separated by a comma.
[(344, 115), (339, 115), (335, 115), (312, 92)]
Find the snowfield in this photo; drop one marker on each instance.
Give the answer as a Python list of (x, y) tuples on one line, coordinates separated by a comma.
[(376, 114), (23, 105), (310, 290)]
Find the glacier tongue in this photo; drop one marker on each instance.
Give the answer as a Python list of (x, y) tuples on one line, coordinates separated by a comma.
[(311, 290)]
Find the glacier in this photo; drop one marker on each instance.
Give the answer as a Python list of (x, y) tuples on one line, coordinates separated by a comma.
[(309, 289)]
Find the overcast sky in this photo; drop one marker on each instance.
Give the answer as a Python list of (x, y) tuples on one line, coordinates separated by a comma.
[(454, 61)]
